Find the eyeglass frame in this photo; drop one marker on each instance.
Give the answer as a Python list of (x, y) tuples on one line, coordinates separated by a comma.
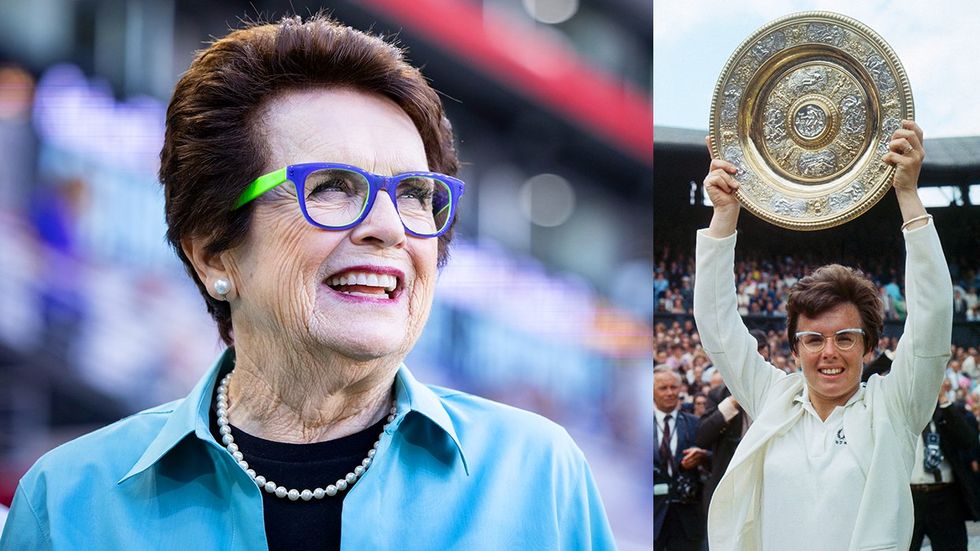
[(827, 339), (297, 174)]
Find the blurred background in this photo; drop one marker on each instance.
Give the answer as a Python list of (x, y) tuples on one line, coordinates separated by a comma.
[(545, 302)]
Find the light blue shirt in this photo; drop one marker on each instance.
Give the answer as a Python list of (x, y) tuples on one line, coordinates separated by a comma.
[(453, 471)]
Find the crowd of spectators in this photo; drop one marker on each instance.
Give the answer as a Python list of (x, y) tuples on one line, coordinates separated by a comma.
[(678, 345), (763, 284)]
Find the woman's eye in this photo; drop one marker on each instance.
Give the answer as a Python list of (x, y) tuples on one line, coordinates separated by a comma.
[(332, 185), (416, 189), (422, 194)]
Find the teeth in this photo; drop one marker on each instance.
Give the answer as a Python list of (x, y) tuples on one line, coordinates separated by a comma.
[(831, 371), (386, 281)]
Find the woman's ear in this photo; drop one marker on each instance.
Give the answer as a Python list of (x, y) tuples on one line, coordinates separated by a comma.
[(211, 269)]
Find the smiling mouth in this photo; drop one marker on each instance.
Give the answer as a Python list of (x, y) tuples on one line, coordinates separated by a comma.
[(365, 284), (831, 370)]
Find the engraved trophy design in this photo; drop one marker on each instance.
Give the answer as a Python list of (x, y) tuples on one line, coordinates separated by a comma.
[(805, 108)]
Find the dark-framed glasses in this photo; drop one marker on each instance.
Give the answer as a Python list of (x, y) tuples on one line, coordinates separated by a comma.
[(335, 196), (845, 339)]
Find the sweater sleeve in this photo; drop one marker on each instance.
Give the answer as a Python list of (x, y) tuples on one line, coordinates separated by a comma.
[(920, 358), (725, 338)]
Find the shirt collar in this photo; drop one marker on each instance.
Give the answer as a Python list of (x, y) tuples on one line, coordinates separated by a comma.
[(411, 395), (192, 414), (804, 396), (661, 414)]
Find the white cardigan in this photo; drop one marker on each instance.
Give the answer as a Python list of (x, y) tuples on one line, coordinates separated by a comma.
[(882, 427)]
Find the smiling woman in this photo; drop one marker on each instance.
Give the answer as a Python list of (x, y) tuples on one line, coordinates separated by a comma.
[(824, 451), (309, 176)]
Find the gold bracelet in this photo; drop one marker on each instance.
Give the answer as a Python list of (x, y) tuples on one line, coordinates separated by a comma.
[(916, 219)]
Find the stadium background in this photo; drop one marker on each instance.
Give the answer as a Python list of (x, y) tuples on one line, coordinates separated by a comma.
[(951, 168), (545, 303)]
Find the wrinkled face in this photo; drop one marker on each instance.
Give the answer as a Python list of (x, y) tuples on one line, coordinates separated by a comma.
[(832, 375), (666, 389), (365, 292)]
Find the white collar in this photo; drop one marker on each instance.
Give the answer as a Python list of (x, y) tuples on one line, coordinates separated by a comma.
[(804, 398), (661, 414)]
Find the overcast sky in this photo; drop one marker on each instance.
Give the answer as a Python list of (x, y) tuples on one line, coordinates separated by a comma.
[(937, 41)]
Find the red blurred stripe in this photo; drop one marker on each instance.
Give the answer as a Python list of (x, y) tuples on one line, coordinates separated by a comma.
[(534, 64)]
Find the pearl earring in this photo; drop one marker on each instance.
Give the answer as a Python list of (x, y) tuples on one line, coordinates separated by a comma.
[(221, 286)]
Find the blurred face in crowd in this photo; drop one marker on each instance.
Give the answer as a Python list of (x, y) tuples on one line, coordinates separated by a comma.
[(763, 350), (780, 363), (700, 402), (945, 388), (832, 375), (666, 391), (716, 380), (332, 290)]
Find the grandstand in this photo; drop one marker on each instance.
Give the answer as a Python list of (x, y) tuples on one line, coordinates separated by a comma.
[(951, 171)]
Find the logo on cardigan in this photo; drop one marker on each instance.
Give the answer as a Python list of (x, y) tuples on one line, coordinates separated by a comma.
[(840, 440)]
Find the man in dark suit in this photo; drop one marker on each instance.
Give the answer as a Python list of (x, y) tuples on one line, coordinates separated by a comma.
[(944, 490), (679, 522), (722, 426)]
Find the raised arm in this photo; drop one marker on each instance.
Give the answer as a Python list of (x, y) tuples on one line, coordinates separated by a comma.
[(720, 186), (920, 358), (725, 338)]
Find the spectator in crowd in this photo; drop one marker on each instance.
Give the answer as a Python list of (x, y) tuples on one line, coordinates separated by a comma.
[(660, 284), (960, 306), (700, 405), (678, 523), (970, 363), (944, 489), (695, 375), (895, 299), (954, 373), (970, 296), (825, 452), (715, 381)]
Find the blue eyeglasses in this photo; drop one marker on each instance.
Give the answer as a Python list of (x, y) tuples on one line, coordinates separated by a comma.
[(335, 196)]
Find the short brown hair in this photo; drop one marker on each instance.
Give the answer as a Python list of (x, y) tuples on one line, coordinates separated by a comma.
[(832, 285), (213, 146)]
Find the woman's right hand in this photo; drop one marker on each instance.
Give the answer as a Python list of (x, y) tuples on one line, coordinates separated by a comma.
[(720, 185)]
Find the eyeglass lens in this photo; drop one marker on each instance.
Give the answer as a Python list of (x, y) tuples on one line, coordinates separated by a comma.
[(843, 341), (337, 197)]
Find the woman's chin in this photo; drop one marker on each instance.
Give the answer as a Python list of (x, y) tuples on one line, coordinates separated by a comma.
[(363, 346)]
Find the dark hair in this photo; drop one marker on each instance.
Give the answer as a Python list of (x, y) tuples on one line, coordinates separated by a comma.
[(828, 287), (213, 144)]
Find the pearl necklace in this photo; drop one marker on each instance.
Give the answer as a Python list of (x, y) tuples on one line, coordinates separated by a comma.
[(271, 487)]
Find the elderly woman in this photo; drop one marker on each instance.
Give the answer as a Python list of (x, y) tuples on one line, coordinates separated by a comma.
[(827, 460), (308, 174)]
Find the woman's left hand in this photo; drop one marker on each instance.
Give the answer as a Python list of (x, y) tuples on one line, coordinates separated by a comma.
[(905, 153)]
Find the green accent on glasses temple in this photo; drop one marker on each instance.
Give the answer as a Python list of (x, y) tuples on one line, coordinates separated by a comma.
[(261, 185)]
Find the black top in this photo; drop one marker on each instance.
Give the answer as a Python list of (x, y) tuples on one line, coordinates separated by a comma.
[(298, 525)]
